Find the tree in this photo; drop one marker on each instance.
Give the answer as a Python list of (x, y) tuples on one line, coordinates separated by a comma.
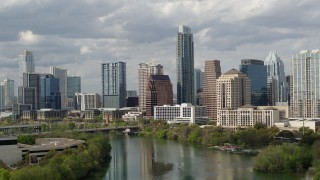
[(26, 139), (4, 174)]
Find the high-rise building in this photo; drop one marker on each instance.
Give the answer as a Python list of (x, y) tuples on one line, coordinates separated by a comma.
[(159, 92), (114, 88), (85, 101), (185, 66), (132, 98), (29, 92), (62, 75), (73, 85), (212, 71), (305, 88), (271, 91), (26, 64), (1, 98), (7, 94), (50, 96), (145, 70), (198, 86), (275, 70), (257, 73), (233, 90)]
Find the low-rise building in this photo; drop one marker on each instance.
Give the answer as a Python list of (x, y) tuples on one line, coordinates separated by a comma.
[(90, 114), (45, 114), (184, 113), (132, 116), (247, 116)]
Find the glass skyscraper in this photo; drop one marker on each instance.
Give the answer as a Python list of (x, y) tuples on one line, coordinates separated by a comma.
[(275, 70), (257, 73), (185, 66), (305, 85), (50, 96), (73, 85), (26, 64), (62, 75), (114, 90)]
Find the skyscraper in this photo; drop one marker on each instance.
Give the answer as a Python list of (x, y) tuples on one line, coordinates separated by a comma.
[(26, 64), (50, 96), (145, 70), (85, 101), (233, 90), (185, 66), (212, 71), (62, 75), (257, 73), (73, 85), (275, 70), (7, 93), (305, 88), (198, 86), (114, 88), (159, 92)]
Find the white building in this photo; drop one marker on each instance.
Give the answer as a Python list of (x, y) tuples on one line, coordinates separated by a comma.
[(132, 116), (85, 101), (62, 75), (6, 93), (184, 113), (247, 116), (26, 64)]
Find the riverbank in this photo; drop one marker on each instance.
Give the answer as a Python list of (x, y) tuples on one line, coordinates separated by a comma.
[(71, 163)]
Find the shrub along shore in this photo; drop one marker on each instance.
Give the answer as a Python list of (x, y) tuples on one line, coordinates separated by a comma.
[(70, 164), (275, 155)]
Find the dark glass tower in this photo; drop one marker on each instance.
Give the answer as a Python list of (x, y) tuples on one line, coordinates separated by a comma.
[(257, 73), (185, 66)]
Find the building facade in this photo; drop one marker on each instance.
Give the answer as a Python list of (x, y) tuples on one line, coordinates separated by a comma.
[(212, 71), (145, 70), (62, 75), (86, 101), (50, 96), (184, 113), (26, 64), (185, 66), (257, 73), (247, 116), (305, 85), (275, 70), (233, 90), (114, 85), (7, 93), (73, 85), (158, 92), (198, 86)]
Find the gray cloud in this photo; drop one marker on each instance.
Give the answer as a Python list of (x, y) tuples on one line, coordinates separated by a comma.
[(80, 35)]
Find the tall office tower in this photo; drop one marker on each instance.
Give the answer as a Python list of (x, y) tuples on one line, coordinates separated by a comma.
[(73, 85), (185, 66), (7, 93), (275, 69), (29, 92), (50, 96), (159, 92), (233, 90), (289, 82), (1, 98), (132, 98), (305, 91), (145, 70), (85, 101), (26, 64), (62, 75), (271, 91), (257, 73), (198, 85), (212, 71), (114, 87)]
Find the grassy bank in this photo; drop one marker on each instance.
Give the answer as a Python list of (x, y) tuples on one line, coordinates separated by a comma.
[(70, 164)]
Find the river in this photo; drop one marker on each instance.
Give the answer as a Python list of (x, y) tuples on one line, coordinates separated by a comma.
[(135, 158)]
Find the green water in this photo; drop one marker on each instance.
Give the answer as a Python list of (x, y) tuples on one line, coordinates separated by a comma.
[(135, 158)]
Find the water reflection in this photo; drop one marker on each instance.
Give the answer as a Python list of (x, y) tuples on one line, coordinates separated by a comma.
[(146, 158)]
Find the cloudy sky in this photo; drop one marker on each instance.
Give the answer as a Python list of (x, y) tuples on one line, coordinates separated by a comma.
[(79, 35)]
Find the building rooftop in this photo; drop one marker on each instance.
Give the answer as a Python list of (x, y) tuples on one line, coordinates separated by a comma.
[(52, 143), (233, 71)]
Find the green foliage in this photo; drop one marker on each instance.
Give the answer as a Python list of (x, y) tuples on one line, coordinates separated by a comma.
[(260, 125), (285, 134), (71, 163), (4, 174), (26, 139), (98, 118), (283, 158)]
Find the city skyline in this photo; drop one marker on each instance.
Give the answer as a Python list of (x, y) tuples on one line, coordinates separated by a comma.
[(116, 31)]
